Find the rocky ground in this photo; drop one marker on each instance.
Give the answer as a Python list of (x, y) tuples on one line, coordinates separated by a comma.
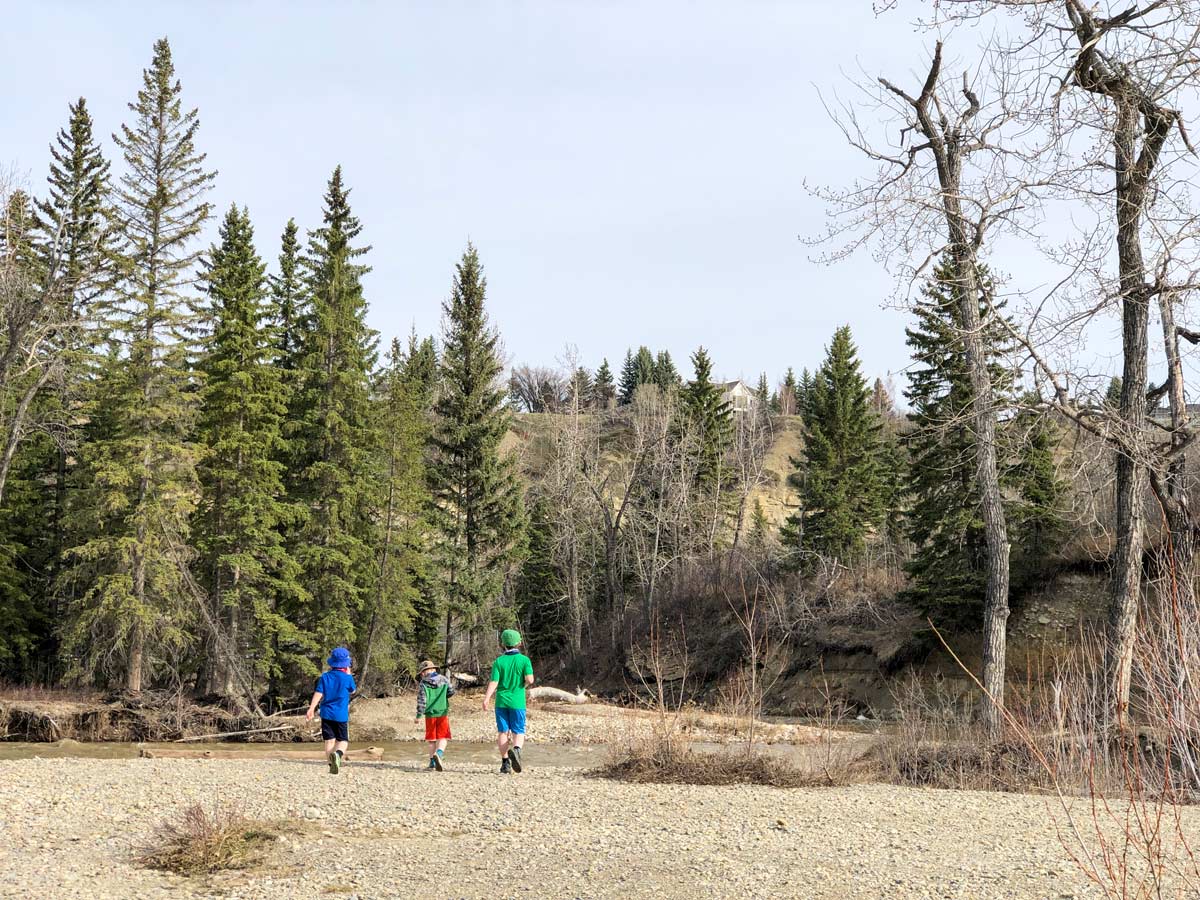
[(390, 829)]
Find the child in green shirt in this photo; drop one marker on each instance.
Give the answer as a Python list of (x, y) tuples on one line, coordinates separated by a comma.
[(512, 673)]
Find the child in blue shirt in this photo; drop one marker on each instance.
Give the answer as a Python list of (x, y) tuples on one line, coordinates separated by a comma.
[(333, 694)]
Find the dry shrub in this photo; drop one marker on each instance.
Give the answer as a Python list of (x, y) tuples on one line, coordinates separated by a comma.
[(670, 760), (200, 842)]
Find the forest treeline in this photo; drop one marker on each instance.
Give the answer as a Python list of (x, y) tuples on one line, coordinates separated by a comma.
[(213, 469)]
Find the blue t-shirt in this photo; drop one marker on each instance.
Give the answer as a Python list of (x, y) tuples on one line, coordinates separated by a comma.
[(335, 688)]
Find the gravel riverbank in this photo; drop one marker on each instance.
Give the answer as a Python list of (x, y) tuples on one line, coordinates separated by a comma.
[(389, 830)]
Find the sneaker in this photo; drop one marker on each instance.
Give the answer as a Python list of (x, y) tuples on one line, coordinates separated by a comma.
[(335, 762), (514, 756), (506, 767), (432, 765), (436, 762)]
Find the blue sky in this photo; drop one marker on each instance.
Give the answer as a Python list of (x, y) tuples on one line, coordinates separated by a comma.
[(630, 172)]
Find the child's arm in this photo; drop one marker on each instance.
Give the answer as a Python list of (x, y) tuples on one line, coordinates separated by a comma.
[(312, 707), (449, 686), (487, 698), (420, 701)]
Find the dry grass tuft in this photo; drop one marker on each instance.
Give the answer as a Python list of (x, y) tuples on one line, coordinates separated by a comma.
[(669, 760), (200, 842)]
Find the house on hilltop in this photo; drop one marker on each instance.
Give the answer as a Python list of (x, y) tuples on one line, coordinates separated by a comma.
[(739, 397)]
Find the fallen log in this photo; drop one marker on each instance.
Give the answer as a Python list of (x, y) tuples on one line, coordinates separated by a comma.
[(557, 695), (367, 753), (225, 734)]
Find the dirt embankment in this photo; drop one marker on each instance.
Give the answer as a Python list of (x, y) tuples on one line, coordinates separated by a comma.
[(51, 716)]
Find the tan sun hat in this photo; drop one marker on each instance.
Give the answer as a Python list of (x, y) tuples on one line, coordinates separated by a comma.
[(426, 665)]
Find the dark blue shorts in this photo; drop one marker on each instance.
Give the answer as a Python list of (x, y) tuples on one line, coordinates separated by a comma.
[(510, 720), (335, 731)]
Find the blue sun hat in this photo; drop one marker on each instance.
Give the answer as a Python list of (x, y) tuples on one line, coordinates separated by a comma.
[(339, 658)]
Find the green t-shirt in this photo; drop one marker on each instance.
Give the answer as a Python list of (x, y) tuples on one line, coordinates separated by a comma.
[(509, 671)]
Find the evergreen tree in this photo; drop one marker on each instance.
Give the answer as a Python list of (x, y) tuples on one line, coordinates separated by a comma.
[(336, 440), (1039, 524), (604, 390), (478, 509), (288, 318), (70, 234), (581, 389), (760, 527), (421, 371), (763, 391), (801, 389), (789, 401), (244, 565), (839, 476), (949, 566), (711, 417), (637, 370), (71, 224), (1112, 396), (128, 571), (401, 516), (628, 383), (539, 588), (665, 375)]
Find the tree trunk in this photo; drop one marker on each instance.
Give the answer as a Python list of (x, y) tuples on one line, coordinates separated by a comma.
[(1132, 476), (995, 606)]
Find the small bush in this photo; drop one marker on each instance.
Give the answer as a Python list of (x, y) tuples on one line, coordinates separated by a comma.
[(671, 761), (200, 842)]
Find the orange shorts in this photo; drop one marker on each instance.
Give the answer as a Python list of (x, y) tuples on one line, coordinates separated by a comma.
[(437, 728)]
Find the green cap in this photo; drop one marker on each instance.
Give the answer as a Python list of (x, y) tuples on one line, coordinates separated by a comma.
[(510, 638)]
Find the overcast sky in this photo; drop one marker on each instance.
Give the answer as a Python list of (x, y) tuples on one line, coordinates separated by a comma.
[(630, 172)]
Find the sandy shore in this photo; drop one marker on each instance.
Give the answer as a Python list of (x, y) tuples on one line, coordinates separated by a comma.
[(390, 830)]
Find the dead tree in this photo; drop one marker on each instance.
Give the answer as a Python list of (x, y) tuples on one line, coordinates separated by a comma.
[(1118, 77), (927, 200)]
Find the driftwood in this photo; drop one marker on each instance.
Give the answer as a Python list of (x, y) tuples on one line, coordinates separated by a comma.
[(557, 695), (368, 753), (225, 734)]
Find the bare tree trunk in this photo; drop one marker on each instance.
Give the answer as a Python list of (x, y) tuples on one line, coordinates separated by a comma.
[(948, 139)]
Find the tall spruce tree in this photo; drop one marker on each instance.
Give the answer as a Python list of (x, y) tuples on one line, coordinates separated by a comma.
[(711, 417), (478, 509), (604, 390), (243, 561), (665, 375), (385, 643), (133, 602), (763, 390), (948, 568), (288, 318), (638, 369), (71, 235), (839, 475), (335, 441)]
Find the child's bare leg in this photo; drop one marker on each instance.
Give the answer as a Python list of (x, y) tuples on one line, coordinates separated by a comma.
[(433, 745), (329, 745), (518, 740), (342, 746), (502, 744), (441, 745)]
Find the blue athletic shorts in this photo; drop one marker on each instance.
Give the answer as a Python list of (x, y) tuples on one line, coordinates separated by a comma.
[(510, 720)]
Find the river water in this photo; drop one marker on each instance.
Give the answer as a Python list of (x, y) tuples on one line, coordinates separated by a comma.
[(393, 751)]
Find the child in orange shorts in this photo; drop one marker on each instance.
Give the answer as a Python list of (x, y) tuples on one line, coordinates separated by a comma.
[(433, 702)]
